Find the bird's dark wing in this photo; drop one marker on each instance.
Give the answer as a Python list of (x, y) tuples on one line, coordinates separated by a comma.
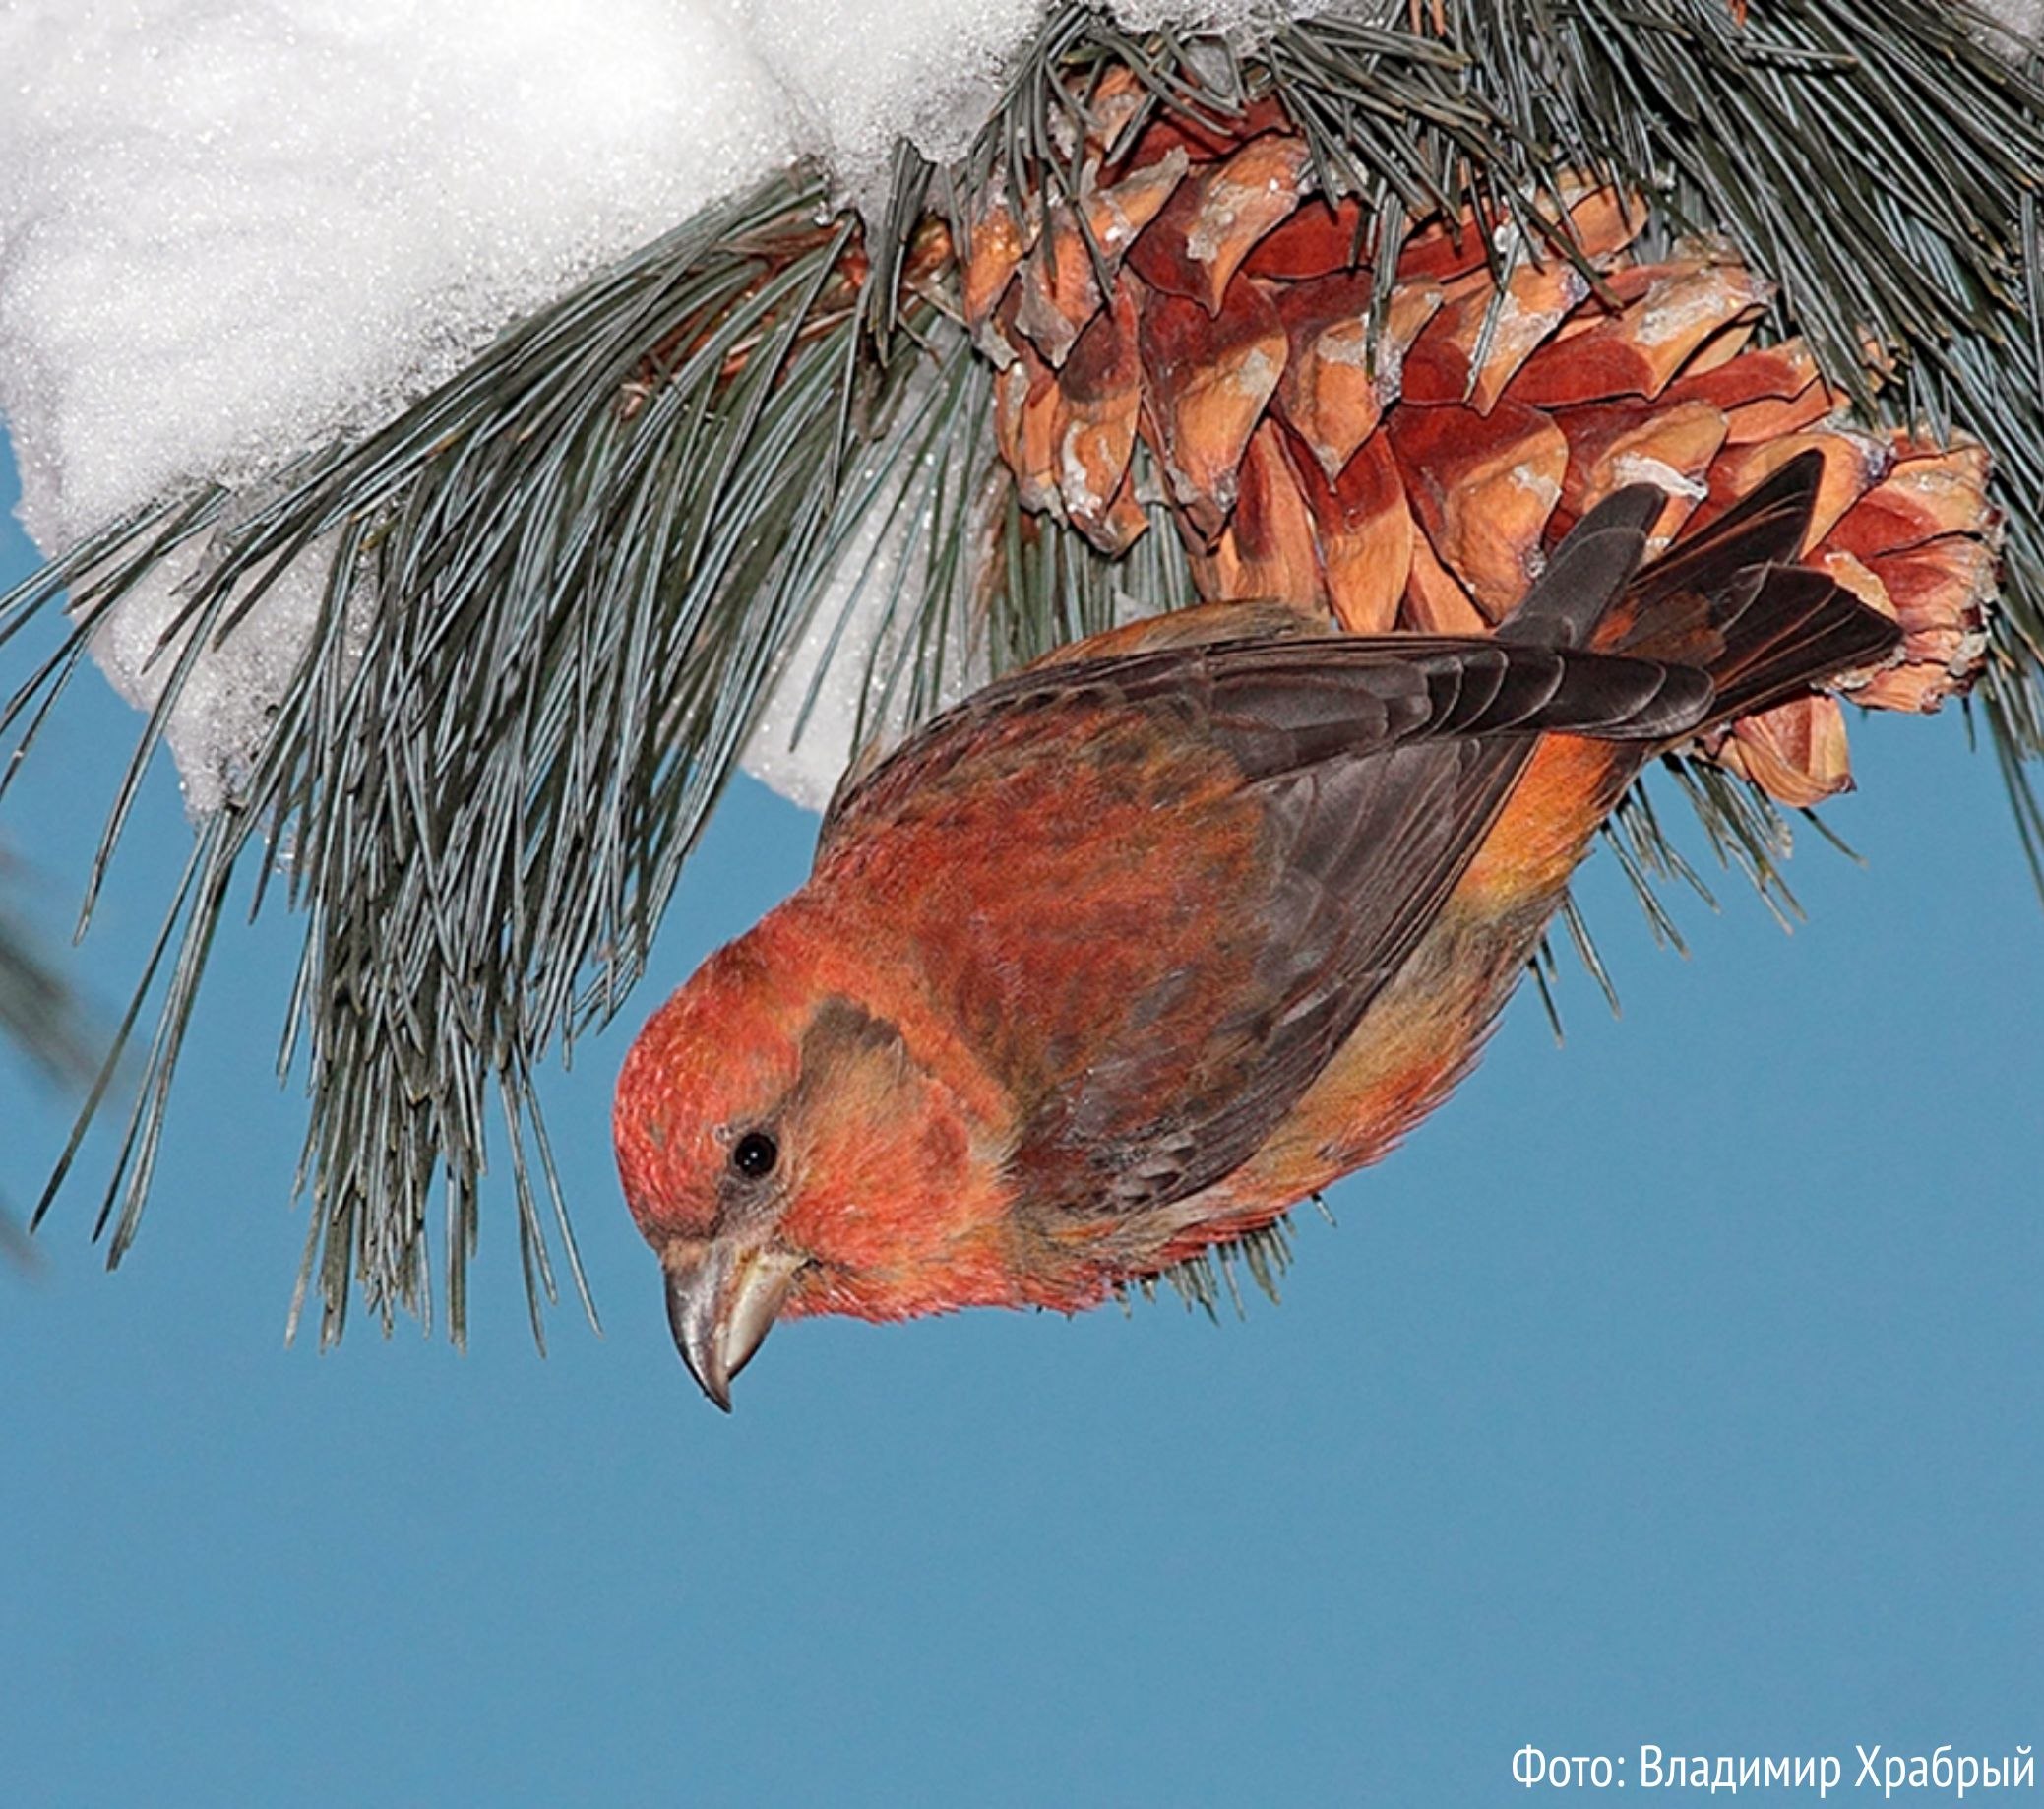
[(1280, 819)]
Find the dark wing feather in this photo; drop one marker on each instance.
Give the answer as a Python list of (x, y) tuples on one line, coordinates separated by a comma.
[(1378, 772), (1371, 770), (1365, 852), (1279, 703), (1362, 772)]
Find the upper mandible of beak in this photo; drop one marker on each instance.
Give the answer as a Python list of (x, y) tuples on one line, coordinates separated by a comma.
[(722, 1298)]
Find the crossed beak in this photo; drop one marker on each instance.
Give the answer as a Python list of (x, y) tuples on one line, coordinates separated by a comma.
[(722, 1298)]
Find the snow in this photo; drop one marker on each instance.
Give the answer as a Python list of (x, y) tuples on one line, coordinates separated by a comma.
[(858, 74), (230, 229), (808, 731), (2022, 20)]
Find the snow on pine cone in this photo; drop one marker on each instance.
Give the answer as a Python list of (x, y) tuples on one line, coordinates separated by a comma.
[(1416, 475)]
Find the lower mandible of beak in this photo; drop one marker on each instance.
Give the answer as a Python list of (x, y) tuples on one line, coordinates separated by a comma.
[(722, 1298)]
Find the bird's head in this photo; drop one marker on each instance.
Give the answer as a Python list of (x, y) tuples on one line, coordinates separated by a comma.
[(786, 1150)]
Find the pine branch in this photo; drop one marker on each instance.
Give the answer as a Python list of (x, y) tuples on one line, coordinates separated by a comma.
[(558, 586)]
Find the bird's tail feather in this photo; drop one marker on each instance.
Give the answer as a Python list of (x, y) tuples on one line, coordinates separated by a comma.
[(1726, 600)]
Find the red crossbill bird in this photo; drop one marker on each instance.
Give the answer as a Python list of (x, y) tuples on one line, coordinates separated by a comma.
[(1136, 948)]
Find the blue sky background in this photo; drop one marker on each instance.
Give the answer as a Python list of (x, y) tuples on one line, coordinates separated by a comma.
[(1684, 1385)]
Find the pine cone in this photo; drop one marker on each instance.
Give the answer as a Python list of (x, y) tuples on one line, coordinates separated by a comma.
[(1415, 475)]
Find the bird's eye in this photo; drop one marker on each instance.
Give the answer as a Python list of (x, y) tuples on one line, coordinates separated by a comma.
[(755, 1154)]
